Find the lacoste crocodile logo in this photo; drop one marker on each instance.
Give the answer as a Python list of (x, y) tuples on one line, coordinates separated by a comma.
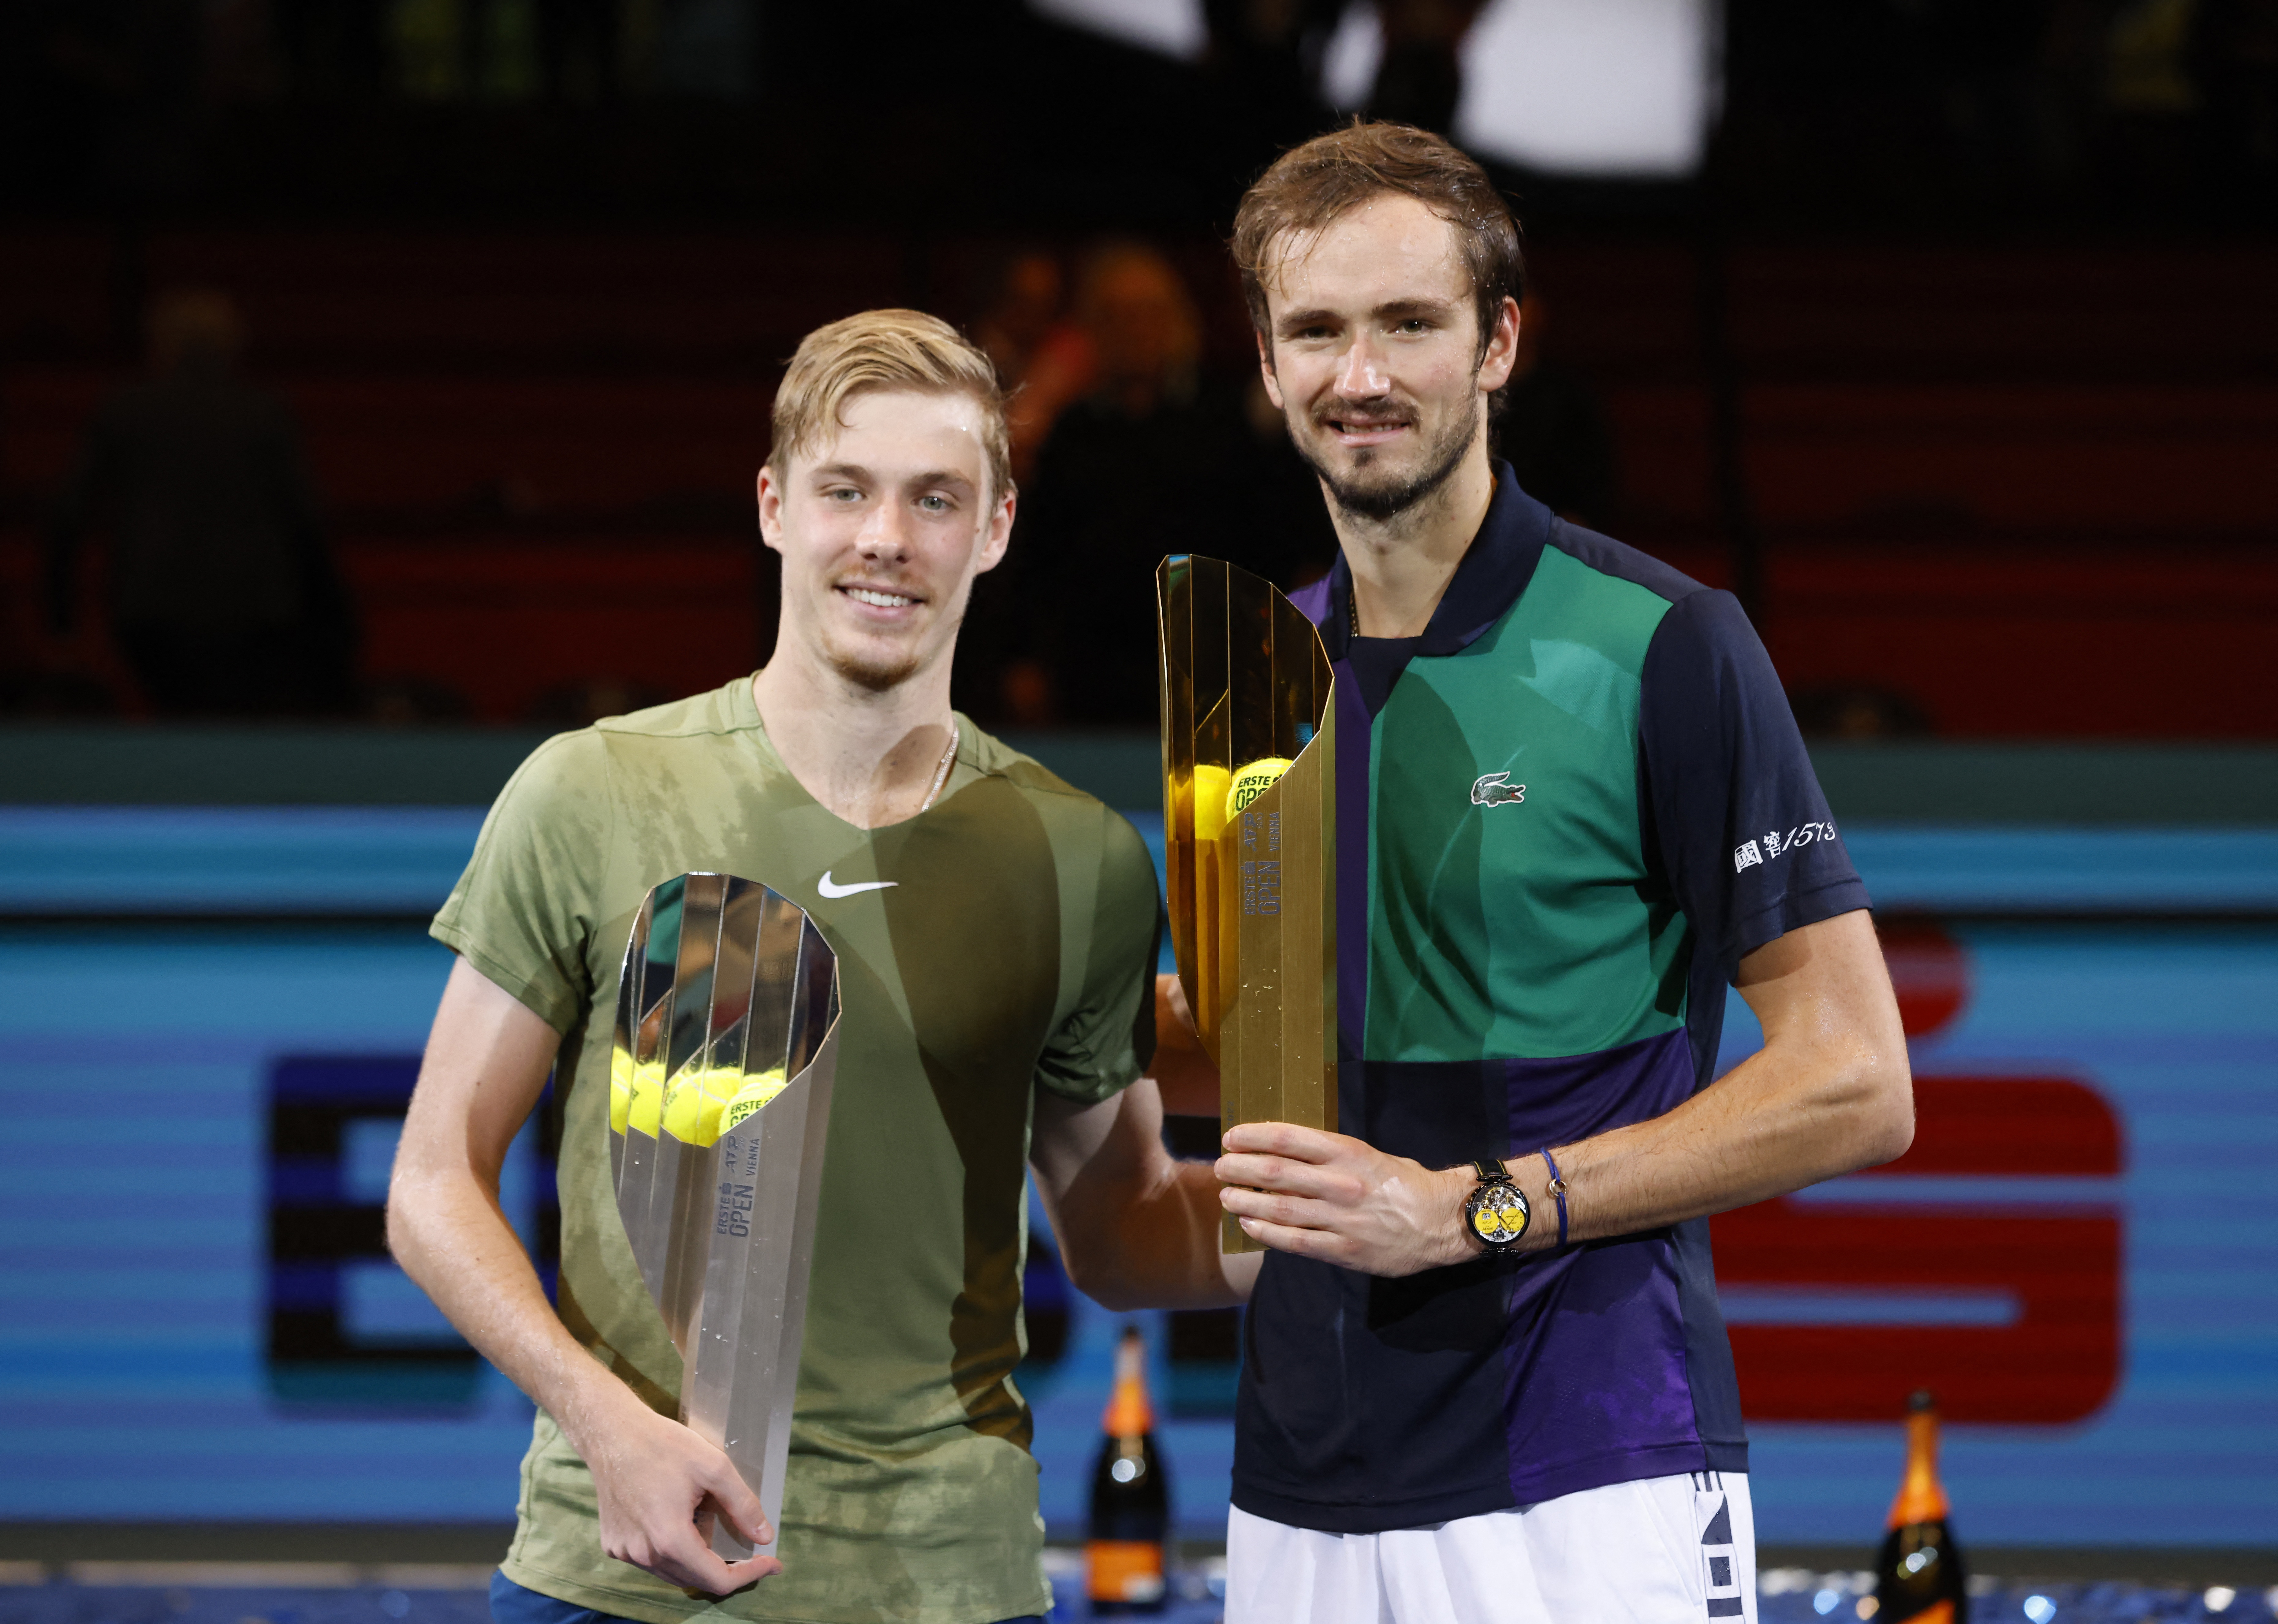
[(1495, 789)]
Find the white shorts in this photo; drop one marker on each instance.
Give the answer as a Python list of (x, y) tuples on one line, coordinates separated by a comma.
[(1679, 1550)]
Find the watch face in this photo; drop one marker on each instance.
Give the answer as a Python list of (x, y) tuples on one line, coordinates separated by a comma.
[(1498, 1215)]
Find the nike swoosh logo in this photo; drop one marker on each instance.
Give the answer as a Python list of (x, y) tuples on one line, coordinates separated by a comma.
[(828, 889)]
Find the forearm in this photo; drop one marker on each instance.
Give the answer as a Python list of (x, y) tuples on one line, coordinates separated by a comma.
[(1159, 1247), (1136, 1229), (1830, 1091), (450, 1236), (1780, 1120)]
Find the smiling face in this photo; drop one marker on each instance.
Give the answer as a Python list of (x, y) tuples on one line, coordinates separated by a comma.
[(883, 529), (1374, 356)]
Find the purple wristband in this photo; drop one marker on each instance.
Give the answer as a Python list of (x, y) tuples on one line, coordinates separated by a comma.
[(1558, 1191)]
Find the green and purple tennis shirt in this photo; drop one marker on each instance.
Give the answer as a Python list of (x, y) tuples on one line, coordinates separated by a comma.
[(1564, 815)]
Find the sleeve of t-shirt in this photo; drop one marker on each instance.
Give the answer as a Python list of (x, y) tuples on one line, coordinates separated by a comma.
[(1735, 816), (524, 912), (1107, 1040)]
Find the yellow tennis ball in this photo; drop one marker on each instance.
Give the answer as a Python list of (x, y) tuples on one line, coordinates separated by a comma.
[(750, 1099), (691, 1110), (646, 1099), (620, 1090), (1208, 804), (1251, 780)]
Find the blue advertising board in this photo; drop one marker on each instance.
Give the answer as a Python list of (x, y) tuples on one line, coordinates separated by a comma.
[(210, 1019)]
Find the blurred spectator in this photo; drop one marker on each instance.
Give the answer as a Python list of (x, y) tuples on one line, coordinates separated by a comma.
[(223, 597), (2155, 55), (1554, 431), (1043, 358), (1262, 68), (2149, 60), (1157, 459), (1419, 79)]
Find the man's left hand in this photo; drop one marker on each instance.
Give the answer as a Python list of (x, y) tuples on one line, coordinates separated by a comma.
[(1340, 1200)]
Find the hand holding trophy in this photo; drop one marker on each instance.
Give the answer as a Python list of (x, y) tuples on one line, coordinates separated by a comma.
[(1249, 834), (726, 1043)]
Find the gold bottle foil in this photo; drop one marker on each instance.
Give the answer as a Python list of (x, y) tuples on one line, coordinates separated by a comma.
[(1252, 886)]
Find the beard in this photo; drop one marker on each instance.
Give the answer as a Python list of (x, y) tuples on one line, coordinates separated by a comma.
[(877, 669), (1387, 497), (875, 674)]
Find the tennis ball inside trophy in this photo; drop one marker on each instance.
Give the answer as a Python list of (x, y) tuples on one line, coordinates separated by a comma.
[(749, 1100), (1209, 807), (692, 1111), (644, 1098), (1250, 781), (708, 1103), (620, 1090)]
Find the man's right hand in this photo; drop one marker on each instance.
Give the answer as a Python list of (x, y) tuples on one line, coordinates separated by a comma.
[(660, 1486)]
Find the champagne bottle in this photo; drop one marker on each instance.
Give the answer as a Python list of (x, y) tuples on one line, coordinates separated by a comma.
[(1130, 1502), (1919, 1574)]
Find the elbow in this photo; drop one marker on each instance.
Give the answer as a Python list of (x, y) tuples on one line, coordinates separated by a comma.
[(396, 1223), (1098, 1279), (1884, 1119), (403, 1220), (1890, 1135)]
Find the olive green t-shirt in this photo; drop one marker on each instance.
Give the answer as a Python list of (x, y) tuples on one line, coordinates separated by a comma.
[(1010, 947)]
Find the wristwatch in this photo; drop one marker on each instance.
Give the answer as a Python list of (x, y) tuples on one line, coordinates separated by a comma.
[(1495, 1212)]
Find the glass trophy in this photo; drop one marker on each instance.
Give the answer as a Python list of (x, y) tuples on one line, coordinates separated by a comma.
[(1249, 836), (720, 1074)]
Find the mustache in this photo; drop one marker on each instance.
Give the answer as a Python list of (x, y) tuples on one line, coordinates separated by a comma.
[(1377, 408)]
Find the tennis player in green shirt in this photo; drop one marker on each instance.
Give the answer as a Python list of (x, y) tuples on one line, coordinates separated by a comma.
[(995, 932)]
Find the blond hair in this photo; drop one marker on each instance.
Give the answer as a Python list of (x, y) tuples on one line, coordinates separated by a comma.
[(884, 350)]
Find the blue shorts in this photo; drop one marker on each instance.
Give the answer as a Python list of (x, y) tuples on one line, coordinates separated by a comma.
[(514, 1604)]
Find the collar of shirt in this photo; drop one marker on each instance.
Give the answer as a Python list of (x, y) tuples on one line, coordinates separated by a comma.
[(1494, 570)]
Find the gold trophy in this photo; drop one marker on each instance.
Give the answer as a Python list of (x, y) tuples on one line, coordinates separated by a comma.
[(720, 1074), (1249, 832)]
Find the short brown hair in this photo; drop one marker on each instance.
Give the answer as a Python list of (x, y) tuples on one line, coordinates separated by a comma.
[(885, 350), (1309, 187)]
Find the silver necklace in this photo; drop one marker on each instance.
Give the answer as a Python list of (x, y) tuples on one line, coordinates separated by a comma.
[(941, 773)]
